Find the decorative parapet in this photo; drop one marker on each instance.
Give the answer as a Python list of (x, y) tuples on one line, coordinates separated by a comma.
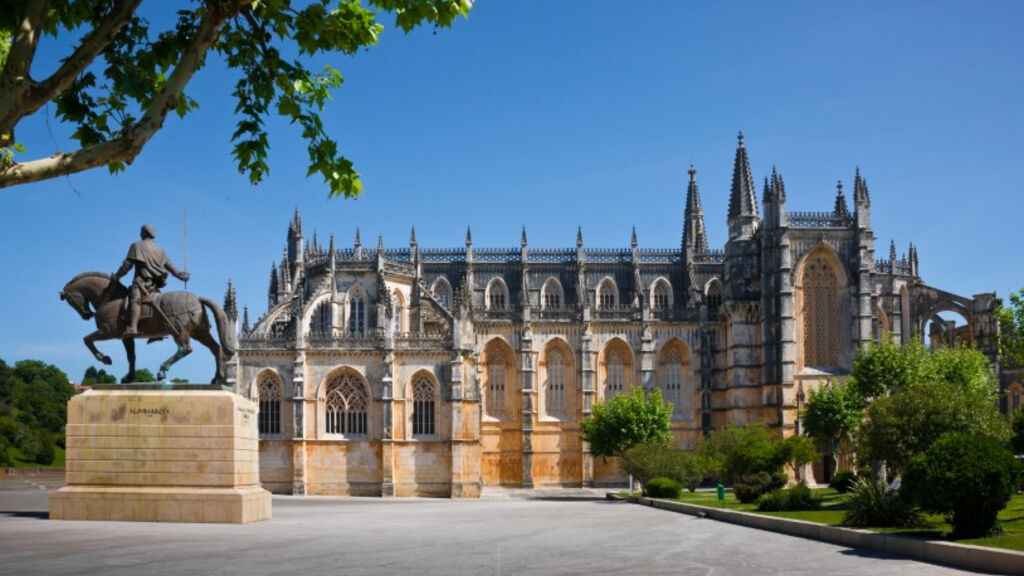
[(819, 220)]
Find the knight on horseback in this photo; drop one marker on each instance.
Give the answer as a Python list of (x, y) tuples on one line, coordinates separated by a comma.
[(151, 268)]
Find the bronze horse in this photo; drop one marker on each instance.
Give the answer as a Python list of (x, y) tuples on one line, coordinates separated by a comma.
[(176, 314)]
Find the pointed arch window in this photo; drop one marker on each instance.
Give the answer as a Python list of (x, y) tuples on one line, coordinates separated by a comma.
[(268, 400), (424, 406), (497, 295), (396, 312), (607, 295), (496, 384), (346, 406), (660, 295), (320, 323), (356, 312), (714, 295), (615, 374), (673, 380), (554, 391), (552, 295), (442, 292), (820, 313)]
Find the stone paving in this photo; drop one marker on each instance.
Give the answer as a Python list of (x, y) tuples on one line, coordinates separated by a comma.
[(506, 532)]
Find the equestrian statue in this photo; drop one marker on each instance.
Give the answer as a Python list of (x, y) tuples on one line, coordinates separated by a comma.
[(143, 312)]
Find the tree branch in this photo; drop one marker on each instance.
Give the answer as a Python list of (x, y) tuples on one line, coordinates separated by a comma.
[(23, 47), (132, 139), (92, 45)]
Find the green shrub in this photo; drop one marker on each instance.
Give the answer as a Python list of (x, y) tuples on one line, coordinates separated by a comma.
[(970, 476), (1017, 441), (663, 488), (654, 459), (799, 497), (749, 488), (842, 481), (871, 503)]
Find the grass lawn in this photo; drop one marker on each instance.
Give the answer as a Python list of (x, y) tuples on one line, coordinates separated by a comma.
[(834, 506), (18, 459)]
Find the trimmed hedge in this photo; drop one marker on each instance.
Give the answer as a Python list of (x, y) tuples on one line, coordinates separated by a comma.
[(663, 488), (749, 488), (799, 497), (842, 481)]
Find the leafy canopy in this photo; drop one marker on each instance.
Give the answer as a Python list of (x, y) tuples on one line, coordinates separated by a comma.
[(627, 420), (833, 413), (124, 75), (1011, 331)]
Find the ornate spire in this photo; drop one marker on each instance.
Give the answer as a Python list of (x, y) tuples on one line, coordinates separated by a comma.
[(274, 286), (380, 244), (522, 241), (579, 236), (296, 224), (695, 237), (230, 302), (469, 237), (632, 238), (766, 192), (286, 274), (412, 237), (245, 320), (777, 187), (860, 190), (357, 244), (841, 209), (892, 250), (742, 199), (330, 250)]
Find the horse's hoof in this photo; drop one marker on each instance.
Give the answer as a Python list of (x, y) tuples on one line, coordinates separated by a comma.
[(106, 360), (160, 376)]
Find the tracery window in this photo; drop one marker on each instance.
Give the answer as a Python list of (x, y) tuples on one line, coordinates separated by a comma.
[(320, 323), (356, 313), (346, 406), (554, 391), (497, 295), (442, 292), (496, 384), (423, 406), (268, 397), (659, 296), (552, 298), (820, 313), (606, 295), (396, 313), (672, 367), (614, 370), (714, 295)]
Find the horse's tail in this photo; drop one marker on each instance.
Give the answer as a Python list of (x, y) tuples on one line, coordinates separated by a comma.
[(228, 344)]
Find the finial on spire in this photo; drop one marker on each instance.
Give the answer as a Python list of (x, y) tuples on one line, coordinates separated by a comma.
[(841, 210), (380, 243), (892, 250), (742, 197), (693, 173), (522, 241), (632, 239), (358, 243), (330, 250), (740, 138), (245, 320), (412, 236), (579, 236), (274, 285), (230, 302), (297, 221), (469, 236)]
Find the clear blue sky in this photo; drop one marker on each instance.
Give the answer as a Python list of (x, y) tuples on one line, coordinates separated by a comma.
[(553, 114)]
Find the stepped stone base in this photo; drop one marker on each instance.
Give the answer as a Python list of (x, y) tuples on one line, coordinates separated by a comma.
[(157, 453)]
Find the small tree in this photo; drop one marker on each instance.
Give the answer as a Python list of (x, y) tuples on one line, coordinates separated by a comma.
[(967, 475), (832, 414), (627, 420), (795, 451), (741, 450)]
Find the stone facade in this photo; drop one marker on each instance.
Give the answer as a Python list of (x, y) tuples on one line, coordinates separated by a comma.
[(409, 371)]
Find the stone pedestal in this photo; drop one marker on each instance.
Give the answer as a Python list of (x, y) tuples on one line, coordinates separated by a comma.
[(161, 453)]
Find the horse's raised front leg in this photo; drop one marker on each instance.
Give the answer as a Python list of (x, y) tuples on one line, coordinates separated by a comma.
[(207, 339), (184, 349), (89, 339), (129, 349)]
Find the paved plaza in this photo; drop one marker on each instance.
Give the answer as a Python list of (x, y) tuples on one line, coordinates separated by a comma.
[(504, 533)]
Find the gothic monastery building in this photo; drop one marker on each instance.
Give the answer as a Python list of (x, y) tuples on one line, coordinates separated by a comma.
[(419, 371)]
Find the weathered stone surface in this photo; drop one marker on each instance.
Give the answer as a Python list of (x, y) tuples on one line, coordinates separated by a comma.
[(161, 456)]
